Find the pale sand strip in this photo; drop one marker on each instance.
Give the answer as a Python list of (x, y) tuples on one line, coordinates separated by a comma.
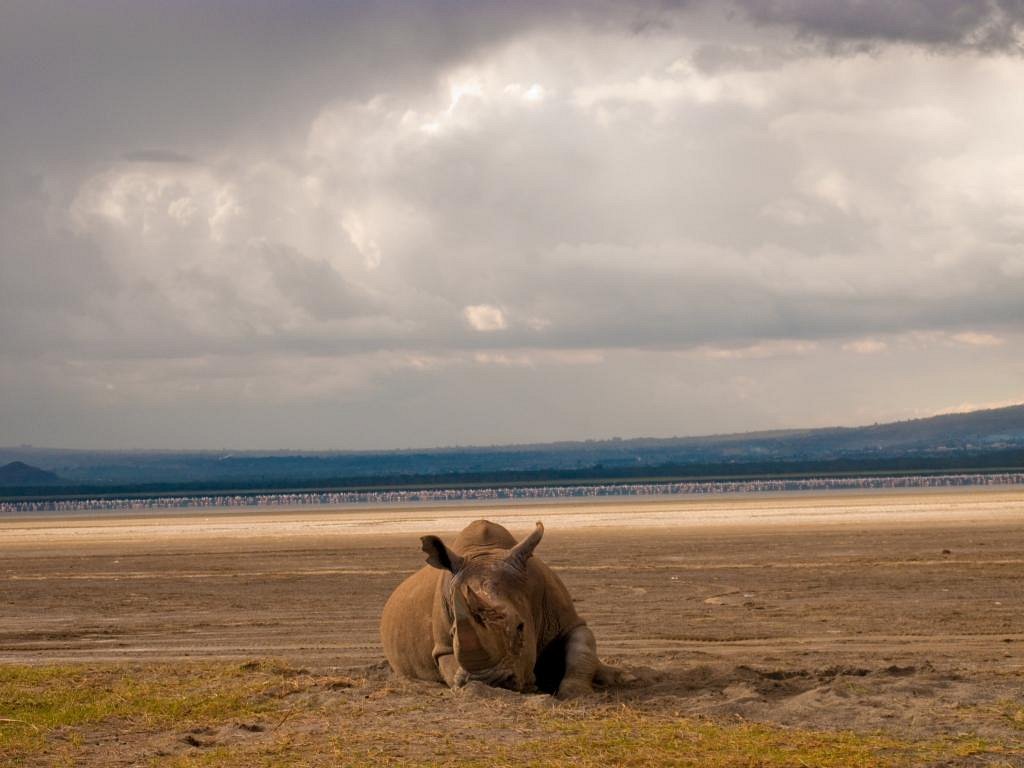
[(948, 507)]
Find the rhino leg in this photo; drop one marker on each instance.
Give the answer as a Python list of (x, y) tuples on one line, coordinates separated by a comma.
[(608, 676), (454, 675), (581, 663)]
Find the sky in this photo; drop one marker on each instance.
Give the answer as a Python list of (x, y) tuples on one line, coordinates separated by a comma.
[(361, 225)]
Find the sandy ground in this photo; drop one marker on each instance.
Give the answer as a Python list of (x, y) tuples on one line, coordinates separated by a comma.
[(899, 612)]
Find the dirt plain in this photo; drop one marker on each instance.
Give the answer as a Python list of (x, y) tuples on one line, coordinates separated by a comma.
[(882, 613)]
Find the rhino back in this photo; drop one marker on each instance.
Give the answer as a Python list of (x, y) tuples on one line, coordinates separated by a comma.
[(483, 534), (406, 626)]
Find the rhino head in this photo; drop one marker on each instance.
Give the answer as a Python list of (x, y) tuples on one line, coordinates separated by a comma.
[(494, 632)]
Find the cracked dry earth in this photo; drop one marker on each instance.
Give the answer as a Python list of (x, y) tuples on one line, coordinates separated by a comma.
[(913, 628)]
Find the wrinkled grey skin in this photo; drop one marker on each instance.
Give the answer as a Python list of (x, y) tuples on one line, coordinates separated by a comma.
[(485, 609)]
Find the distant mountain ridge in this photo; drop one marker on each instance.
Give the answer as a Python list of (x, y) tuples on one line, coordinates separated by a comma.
[(18, 473), (927, 441)]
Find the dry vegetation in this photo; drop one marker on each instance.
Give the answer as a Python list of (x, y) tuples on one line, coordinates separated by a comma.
[(270, 714)]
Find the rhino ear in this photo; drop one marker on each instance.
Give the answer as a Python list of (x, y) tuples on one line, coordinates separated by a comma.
[(439, 556)]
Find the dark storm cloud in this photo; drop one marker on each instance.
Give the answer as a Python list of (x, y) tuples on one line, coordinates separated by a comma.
[(157, 156), (88, 78), (314, 286), (981, 25)]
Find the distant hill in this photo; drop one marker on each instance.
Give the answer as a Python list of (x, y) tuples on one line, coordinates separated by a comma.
[(18, 473), (979, 439)]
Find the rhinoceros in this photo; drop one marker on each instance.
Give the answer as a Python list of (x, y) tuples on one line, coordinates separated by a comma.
[(485, 609)]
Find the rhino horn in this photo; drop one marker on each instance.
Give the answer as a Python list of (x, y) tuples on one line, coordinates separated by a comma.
[(521, 552), (471, 654)]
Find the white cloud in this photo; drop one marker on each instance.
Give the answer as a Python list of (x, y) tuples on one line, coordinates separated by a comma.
[(357, 232), (534, 93), (484, 317), (183, 210), (536, 357), (975, 339), (967, 407), (505, 359), (865, 346), (791, 212), (766, 349)]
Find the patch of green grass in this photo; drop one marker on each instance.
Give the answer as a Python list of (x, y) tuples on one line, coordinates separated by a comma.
[(1014, 713), (624, 737), (39, 702), (70, 715), (629, 739)]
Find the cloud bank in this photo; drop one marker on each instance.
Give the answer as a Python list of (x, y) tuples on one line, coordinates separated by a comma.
[(354, 225)]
